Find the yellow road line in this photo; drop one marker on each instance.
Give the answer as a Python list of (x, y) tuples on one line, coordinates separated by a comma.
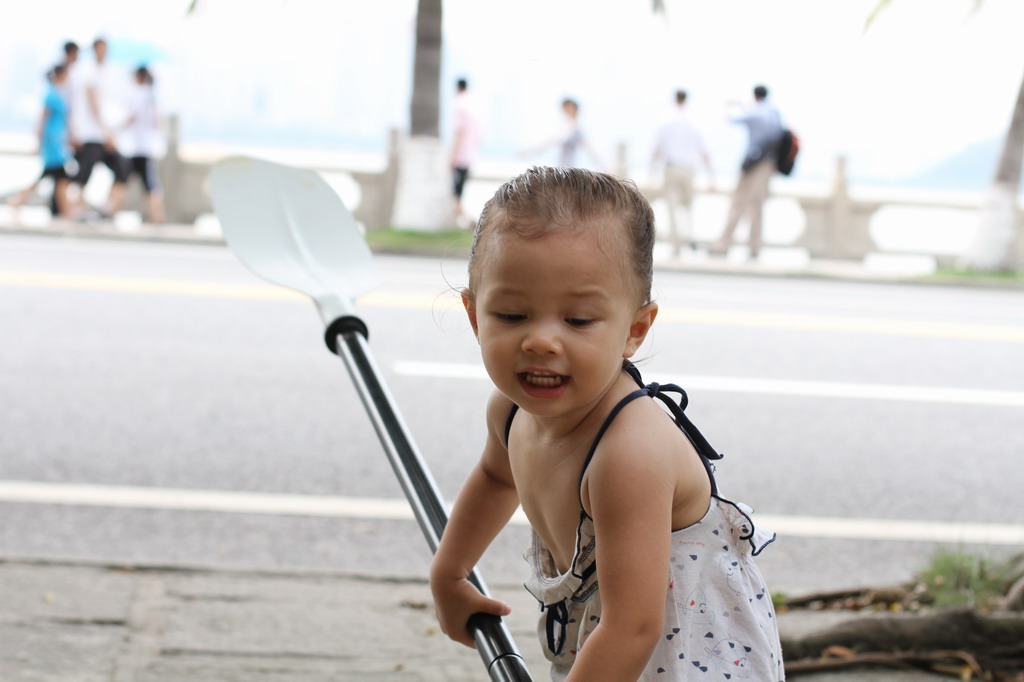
[(147, 285), (449, 299), (748, 318), (410, 301), (836, 323)]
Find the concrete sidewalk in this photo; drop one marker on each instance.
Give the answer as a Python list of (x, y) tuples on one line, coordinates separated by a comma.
[(79, 622)]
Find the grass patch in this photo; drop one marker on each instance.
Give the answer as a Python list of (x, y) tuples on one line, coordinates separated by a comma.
[(955, 579), (443, 242), (958, 273)]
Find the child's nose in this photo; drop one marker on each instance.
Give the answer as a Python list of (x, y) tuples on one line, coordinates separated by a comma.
[(542, 339)]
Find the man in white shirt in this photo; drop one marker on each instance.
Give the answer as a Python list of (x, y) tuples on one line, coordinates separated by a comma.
[(681, 147), (92, 134), (464, 147)]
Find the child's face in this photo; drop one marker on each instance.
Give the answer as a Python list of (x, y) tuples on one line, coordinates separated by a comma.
[(555, 315)]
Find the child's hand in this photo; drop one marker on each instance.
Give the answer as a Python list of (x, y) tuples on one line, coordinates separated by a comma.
[(455, 600)]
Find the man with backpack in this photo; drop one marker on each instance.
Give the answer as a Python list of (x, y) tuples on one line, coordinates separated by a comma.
[(765, 131)]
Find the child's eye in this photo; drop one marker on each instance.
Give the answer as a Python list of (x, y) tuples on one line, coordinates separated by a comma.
[(510, 317), (579, 321)]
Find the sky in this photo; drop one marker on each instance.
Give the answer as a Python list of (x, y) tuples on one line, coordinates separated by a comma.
[(929, 78)]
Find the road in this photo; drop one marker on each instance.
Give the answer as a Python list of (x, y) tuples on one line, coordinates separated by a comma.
[(144, 385)]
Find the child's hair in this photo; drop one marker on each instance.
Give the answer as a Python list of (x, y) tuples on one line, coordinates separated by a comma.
[(144, 75), (545, 199)]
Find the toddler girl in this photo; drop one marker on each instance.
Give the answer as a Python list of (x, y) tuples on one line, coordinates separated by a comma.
[(641, 569)]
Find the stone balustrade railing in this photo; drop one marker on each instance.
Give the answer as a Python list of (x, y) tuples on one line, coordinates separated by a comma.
[(836, 223)]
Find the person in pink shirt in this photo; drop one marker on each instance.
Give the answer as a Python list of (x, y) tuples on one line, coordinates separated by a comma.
[(464, 147)]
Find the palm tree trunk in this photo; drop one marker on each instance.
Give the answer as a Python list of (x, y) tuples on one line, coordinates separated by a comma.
[(1010, 162), (998, 244), (423, 190), (426, 87)]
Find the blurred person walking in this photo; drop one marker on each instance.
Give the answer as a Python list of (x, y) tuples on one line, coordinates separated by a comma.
[(142, 142), (681, 147), (70, 55), (764, 128), (465, 146), (53, 145), (570, 140), (92, 135)]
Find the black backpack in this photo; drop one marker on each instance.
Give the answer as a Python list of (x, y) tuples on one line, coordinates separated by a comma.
[(786, 151)]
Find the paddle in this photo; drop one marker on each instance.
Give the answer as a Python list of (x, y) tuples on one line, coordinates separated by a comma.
[(289, 227)]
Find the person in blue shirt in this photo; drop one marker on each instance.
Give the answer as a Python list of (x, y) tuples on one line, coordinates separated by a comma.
[(764, 126), (570, 140), (53, 145)]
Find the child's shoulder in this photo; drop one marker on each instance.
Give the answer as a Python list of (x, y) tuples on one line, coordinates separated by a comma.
[(499, 409), (644, 454), (642, 426)]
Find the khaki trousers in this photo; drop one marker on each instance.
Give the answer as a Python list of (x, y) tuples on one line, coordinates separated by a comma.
[(679, 195), (748, 200)]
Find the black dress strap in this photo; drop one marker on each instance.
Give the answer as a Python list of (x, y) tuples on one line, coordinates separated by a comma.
[(508, 422), (659, 391)]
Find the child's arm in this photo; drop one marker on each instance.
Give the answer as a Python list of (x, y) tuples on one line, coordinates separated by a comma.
[(483, 507), (631, 488), (595, 157)]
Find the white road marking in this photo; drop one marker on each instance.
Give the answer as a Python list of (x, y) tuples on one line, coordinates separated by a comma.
[(820, 389), (892, 529), (203, 500), (396, 509)]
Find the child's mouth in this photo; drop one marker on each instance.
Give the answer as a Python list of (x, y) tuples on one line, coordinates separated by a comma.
[(543, 379)]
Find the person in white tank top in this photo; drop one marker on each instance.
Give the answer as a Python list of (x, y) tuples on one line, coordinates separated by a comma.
[(142, 142)]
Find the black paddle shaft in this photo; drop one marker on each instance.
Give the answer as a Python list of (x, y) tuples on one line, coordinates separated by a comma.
[(347, 338)]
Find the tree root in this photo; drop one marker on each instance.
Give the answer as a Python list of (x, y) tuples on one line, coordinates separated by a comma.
[(961, 642), (837, 658)]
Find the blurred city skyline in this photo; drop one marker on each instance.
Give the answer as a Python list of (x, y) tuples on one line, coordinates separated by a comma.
[(926, 83)]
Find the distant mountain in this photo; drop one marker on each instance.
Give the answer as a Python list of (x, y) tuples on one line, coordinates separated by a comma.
[(969, 170)]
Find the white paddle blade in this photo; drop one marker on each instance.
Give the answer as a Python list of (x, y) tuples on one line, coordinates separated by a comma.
[(289, 227)]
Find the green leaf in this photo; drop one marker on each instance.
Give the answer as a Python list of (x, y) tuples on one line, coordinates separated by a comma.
[(882, 4)]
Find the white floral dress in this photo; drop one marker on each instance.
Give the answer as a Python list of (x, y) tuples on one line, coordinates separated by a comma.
[(719, 620)]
